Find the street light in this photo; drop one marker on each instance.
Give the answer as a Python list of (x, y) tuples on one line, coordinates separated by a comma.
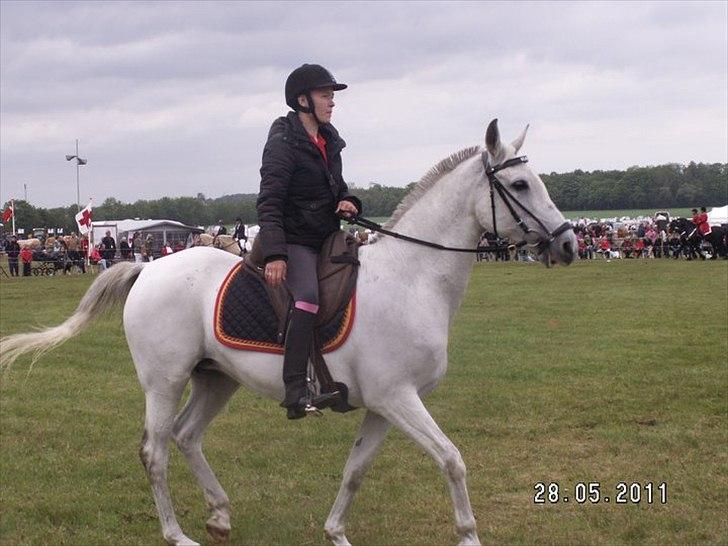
[(79, 162)]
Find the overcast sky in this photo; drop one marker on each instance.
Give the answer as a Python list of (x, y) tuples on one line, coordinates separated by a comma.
[(177, 98)]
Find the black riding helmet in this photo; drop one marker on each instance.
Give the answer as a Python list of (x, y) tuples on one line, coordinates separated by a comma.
[(303, 80)]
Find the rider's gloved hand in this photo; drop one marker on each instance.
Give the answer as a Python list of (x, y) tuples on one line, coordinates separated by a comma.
[(346, 209)]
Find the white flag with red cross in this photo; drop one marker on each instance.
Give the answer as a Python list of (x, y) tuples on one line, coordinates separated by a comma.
[(83, 219)]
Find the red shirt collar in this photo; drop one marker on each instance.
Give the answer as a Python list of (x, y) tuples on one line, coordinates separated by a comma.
[(320, 143)]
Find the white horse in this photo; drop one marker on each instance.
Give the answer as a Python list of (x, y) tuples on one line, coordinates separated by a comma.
[(405, 292)]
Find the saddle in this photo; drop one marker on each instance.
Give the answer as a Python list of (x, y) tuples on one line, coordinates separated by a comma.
[(251, 315)]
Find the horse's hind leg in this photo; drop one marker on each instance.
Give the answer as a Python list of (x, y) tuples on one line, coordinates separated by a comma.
[(161, 406), (372, 432), (211, 391), (409, 414)]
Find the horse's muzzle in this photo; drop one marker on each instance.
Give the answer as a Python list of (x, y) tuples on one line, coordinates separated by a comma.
[(559, 250)]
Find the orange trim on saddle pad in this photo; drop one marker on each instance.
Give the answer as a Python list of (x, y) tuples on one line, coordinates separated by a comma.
[(242, 344)]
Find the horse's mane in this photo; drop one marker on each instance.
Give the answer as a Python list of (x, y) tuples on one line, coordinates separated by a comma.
[(428, 181)]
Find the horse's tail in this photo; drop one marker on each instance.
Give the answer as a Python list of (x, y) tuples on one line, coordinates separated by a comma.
[(110, 288)]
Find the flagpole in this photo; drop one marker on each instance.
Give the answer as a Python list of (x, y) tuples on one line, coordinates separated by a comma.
[(12, 206), (78, 186), (90, 238)]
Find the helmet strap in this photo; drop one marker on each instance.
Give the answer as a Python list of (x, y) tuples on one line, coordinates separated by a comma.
[(310, 109)]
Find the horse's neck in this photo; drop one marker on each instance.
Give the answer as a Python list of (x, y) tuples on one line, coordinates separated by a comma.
[(442, 215)]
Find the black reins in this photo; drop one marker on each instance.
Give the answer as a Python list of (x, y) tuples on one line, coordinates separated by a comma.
[(379, 229), (508, 198)]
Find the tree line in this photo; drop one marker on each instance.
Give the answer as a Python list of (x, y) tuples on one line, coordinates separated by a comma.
[(660, 187)]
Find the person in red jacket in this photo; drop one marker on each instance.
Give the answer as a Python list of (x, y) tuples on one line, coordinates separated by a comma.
[(26, 255), (700, 219), (605, 247)]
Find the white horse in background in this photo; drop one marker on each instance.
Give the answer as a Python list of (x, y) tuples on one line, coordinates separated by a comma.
[(405, 292)]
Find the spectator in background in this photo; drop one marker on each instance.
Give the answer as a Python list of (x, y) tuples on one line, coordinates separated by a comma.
[(84, 250), (627, 247), (700, 219), (72, 251), (108, 248), (651, 234), (148, 248), (96, 258), (589, 243), (136, 247), (581, 246), (12, 248), (178, 246), (221, 230), (26, 255), (605, 248), (675, 245), (124, 248), (639, 247), (167, 249), (239, 234)]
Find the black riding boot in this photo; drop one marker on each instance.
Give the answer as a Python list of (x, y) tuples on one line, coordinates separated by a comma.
[(295, 361)]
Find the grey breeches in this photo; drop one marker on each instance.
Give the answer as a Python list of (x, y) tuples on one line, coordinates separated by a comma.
[(302, 278)]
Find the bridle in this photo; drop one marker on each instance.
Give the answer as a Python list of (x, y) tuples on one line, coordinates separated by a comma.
[(541, 240)]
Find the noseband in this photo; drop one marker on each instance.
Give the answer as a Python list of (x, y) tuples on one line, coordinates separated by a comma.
[(545, 237)]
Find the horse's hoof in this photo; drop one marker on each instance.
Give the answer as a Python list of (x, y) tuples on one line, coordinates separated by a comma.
[(338, 540), (182, 541), (219, 534), (469, 540)]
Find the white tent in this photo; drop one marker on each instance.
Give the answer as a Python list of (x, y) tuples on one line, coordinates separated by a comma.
[(718, 215)]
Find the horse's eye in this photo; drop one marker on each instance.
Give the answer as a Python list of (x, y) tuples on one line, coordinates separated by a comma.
[(519, 185)]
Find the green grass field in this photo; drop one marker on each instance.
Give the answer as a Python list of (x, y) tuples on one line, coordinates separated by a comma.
[(600, 372)]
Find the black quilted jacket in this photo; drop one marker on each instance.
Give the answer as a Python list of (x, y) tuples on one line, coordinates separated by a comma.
[(298, 193)]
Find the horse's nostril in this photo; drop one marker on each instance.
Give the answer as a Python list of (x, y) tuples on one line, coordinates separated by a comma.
[(567, 248)]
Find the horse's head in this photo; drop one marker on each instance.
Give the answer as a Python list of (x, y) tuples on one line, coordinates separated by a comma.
[(680, 226), (523, 210)]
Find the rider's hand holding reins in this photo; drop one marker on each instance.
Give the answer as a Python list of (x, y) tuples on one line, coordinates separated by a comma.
[(275, 272), (346, 209)]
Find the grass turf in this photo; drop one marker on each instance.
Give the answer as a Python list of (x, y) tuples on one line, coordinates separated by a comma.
[(600, 372)]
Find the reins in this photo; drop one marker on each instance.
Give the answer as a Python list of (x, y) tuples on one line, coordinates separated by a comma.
[(366, 223), (508, 198)]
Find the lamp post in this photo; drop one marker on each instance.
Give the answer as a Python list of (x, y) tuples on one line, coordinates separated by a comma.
[(79, 162)]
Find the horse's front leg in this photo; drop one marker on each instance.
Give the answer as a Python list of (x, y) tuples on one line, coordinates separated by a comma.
[(372, 432), (409, 414)]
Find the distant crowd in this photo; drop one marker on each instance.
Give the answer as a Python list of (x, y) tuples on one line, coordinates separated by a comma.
[(66, 254), (627, 238), (656, 237), (50, 255)]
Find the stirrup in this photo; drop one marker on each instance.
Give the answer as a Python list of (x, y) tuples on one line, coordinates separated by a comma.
[(313, 410), (326, 399)]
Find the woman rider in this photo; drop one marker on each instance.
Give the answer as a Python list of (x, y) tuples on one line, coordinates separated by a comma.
[(302, 195)]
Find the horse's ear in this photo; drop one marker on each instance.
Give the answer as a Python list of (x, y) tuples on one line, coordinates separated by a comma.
[(519, 140), (492, 139)]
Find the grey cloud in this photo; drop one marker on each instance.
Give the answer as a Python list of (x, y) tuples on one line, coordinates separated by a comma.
[(150, 88)]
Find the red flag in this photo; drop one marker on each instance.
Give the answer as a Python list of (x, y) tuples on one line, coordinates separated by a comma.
[(8, 213), (83, 219)]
